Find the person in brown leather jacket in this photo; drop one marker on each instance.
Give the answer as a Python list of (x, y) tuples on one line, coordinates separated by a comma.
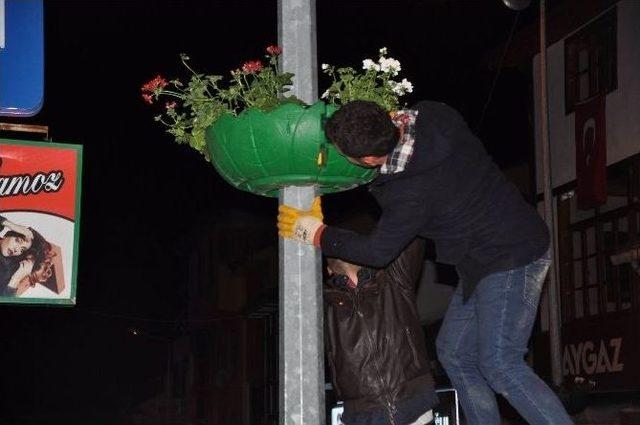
[(374, 342)]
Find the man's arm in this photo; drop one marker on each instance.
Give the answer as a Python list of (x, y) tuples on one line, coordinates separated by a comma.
[(405, 270), (400, 223)]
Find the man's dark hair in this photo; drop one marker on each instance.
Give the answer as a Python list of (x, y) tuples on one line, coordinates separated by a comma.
[(362, 128)]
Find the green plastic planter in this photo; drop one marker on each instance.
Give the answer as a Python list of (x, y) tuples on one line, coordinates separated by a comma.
[(261, 152)]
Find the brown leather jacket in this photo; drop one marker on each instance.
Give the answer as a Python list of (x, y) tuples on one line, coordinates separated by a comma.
[(374, 342)]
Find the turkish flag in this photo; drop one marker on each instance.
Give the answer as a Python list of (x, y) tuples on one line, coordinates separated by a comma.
[(591, 153)]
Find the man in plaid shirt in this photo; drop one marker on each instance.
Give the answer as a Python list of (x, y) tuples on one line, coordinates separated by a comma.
[(437, 181)]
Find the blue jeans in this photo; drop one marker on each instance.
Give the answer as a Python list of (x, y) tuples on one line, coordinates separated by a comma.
[(482, 344)]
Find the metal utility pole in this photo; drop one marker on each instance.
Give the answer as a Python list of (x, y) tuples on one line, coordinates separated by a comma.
[(552, 289), (554, 303), (301, 351)]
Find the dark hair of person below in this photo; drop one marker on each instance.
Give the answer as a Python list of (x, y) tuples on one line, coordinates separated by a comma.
[(362, 128)]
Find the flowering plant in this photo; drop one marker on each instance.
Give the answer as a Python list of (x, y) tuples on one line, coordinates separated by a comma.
[(191, 107), (375, 84)]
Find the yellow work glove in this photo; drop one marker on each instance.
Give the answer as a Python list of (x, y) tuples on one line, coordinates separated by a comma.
[(304, 226)]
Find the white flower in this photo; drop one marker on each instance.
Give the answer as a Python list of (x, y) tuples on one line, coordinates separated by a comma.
[(383, 51), (390, 65), (368, 64), (401, 88), (396, 87), (406, 85), (328, 93), (325, 66)]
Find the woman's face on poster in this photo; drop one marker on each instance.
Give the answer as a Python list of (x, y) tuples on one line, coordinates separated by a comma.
[(13, 246)]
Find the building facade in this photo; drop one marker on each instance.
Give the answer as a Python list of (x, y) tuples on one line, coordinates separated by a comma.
[(594, 126), (224, 367)]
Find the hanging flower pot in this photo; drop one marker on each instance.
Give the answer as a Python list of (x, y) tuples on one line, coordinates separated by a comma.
[(261, 152), (258, 136)]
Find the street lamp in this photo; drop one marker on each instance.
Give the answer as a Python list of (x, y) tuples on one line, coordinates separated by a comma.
[(516, 4)]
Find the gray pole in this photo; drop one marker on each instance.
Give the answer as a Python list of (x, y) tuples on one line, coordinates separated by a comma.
[(301, 347), (554, 304)]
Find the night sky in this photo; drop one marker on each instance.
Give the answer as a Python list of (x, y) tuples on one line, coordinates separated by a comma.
[(143, 195)]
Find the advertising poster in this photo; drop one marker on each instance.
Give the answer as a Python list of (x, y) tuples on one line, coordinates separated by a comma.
[(39, 221)]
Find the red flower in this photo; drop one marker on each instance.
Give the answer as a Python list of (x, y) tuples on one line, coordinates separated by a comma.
[(147, 98), (274, 50), (153, 85), (251, 66), (170, 105)]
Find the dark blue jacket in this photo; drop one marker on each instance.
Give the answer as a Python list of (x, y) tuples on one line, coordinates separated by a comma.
[(453, 193)]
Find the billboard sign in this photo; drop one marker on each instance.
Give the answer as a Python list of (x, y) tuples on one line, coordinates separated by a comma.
[(39, 221), (21, 57)]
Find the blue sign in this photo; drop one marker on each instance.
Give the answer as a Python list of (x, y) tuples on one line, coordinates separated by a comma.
[(21, 57)]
